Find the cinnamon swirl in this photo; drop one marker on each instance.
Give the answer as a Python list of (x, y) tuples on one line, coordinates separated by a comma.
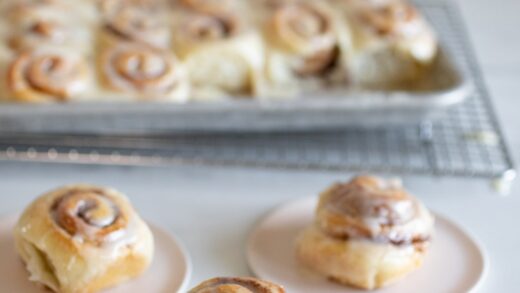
[(47, 75), (222, 44), (368, 233), (237, 285), (304, 41), (147, 73), (83, 238)]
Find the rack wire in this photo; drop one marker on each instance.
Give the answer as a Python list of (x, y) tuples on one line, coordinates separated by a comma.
[(465, 141)]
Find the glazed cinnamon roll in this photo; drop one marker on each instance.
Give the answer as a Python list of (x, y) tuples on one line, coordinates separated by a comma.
[(394, 44), (145, 72), (304, 41), (368, 233), (237, 285), (83, 238), (47, 75), (135, 22), (221, 43)]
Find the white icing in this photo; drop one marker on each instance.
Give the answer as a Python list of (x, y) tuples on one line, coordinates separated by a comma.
[(386, 217)]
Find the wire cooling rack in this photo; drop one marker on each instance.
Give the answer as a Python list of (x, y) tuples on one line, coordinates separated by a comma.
[(466, 141)]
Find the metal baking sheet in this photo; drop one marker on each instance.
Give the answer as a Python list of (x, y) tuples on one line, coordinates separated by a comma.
[(446, 86)]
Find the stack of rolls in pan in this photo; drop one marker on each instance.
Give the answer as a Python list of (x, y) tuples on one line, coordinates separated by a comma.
[(207, 50)]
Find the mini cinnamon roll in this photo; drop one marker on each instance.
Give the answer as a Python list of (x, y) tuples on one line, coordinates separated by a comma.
[(394, 44), (304, 42), (237, 285), (47, 75), (368, 233), (83, 238), (208, 44), (146, 72), (135, 23)]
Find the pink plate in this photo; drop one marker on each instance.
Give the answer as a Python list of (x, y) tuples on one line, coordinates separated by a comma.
[(170, 270), (455, 262)]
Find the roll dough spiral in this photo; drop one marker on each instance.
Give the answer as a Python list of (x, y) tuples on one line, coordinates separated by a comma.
[(47, 75), (148, 72)]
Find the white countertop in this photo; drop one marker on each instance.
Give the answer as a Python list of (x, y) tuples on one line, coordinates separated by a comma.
[(212, 209)]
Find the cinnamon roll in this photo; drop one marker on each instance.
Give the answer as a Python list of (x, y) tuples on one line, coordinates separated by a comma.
[(83, 238), (47, 75), (237, 285), (223, 44), (135, 22), (305, 45), (145, 72), (368, 233), (394, 44)]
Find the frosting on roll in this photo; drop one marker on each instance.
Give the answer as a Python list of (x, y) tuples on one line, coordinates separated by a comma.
[(371, 208), (89, 215), (47, 75), (306, 30), (133, 67), (237, 285)]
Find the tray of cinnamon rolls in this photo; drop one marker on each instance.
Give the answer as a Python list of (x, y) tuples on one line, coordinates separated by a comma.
[(124, 66)]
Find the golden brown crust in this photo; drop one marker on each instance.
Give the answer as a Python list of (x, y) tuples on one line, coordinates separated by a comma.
[(83, 238), (237, 285)]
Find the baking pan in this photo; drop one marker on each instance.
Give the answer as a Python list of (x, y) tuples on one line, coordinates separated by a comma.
[(445, 86)]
